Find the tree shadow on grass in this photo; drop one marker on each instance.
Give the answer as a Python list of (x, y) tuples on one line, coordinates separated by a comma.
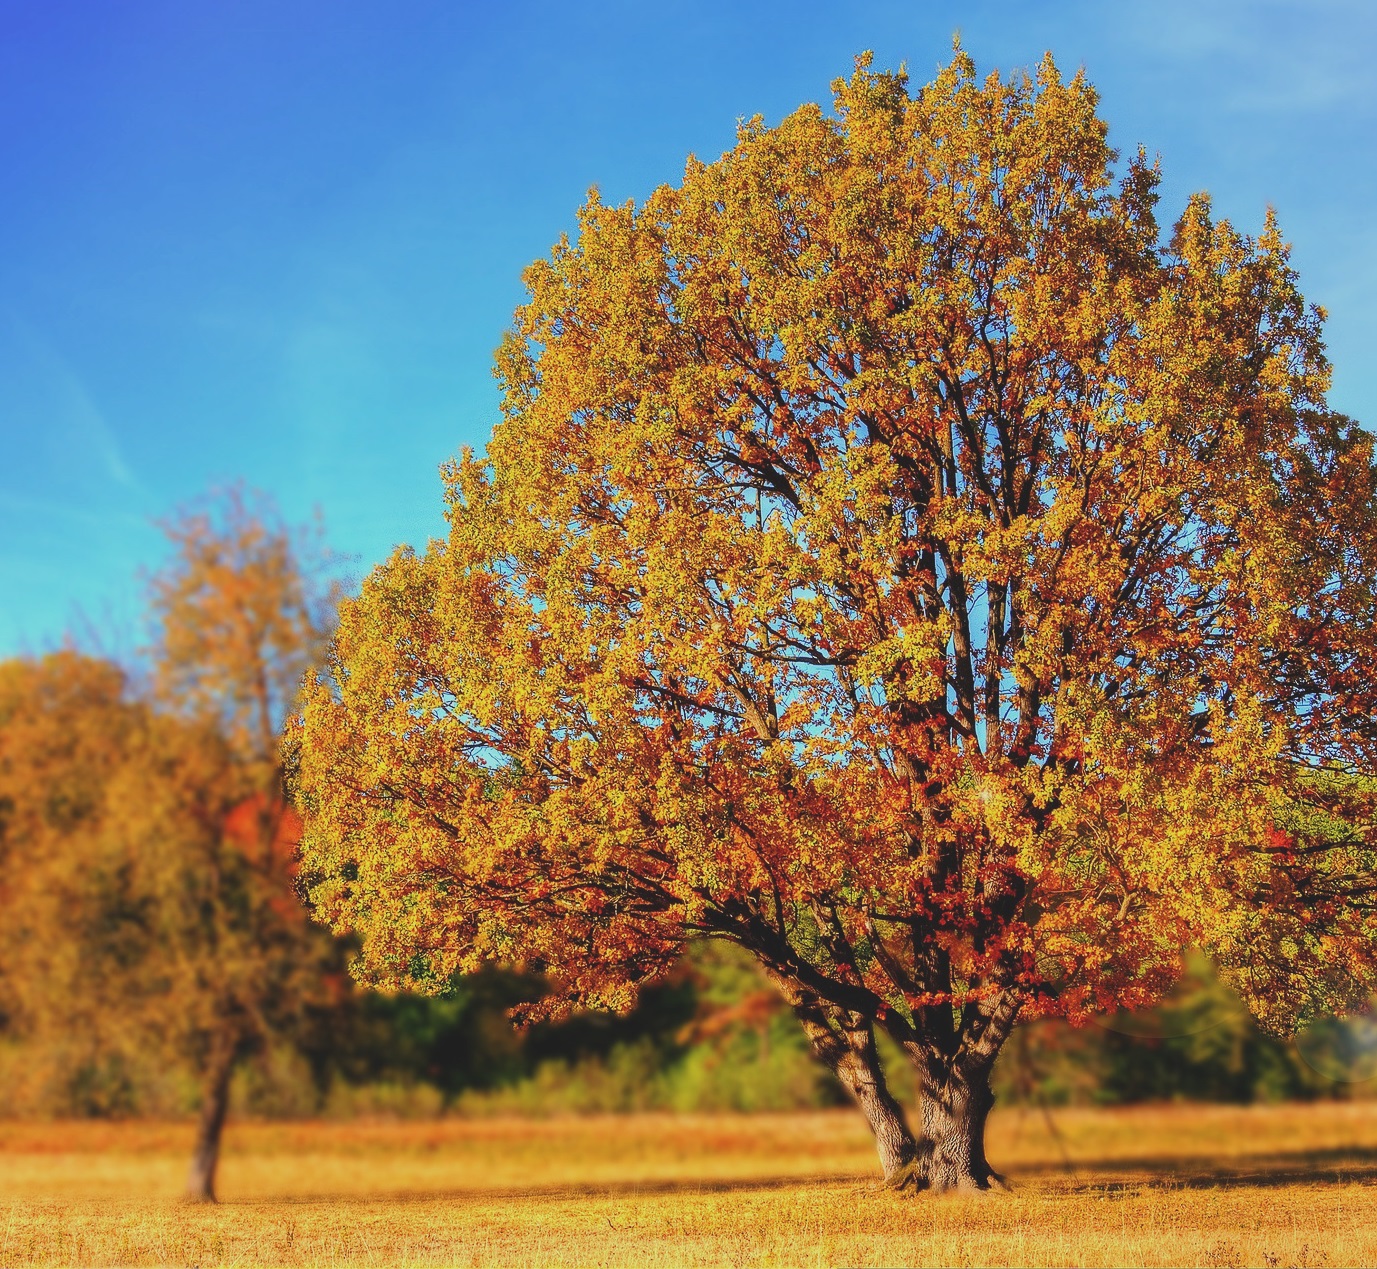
[(1269, 1169), (1121, 1175), (621, 1187)]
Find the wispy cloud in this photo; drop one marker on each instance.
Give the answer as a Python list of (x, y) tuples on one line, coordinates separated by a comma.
[(53, 399)]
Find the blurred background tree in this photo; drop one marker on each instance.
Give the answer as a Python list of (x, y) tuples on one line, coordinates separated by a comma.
[(154, 899), (73, 930), (239, 615)]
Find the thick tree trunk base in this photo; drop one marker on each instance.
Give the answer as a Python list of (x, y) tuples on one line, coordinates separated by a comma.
[(950, 1152), (948, 1155), (932, 1174)]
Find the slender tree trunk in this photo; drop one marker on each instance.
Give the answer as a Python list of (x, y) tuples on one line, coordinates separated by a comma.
[(846, 1044), (861, 1075), (200, 1182)]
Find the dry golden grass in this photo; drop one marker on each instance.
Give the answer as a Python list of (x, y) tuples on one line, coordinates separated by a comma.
[(1292, 1185)]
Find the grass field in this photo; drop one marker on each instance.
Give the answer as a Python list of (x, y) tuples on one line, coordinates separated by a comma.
[(1294, 1185)]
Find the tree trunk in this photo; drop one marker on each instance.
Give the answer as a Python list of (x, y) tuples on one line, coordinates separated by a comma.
[(846, 1044), (955, 1097), (954, 1088), (861, 1075), (200, 1182), (951, 1150)]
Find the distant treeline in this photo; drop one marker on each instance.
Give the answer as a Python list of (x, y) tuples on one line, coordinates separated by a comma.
[(717, 1037), (712, 1037)]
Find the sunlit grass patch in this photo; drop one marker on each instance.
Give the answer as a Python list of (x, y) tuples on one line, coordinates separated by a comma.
[(1291, 1185)]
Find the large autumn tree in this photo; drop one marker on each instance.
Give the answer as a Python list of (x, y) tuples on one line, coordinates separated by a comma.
[(148, 896), (902, 559)]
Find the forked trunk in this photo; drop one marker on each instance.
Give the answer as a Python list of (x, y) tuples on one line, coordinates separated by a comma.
[(949, 1152), (955, 1095), (200, 1182)]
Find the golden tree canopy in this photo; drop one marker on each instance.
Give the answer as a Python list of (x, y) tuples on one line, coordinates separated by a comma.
[(896, 556)]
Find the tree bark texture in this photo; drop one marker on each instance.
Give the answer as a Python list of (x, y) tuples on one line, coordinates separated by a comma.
[(845, 1043), (951, 1149), (856, 1064), (955, 1096), (200, 1183)]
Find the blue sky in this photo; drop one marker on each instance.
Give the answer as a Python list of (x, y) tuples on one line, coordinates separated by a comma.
[(279, 239)]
